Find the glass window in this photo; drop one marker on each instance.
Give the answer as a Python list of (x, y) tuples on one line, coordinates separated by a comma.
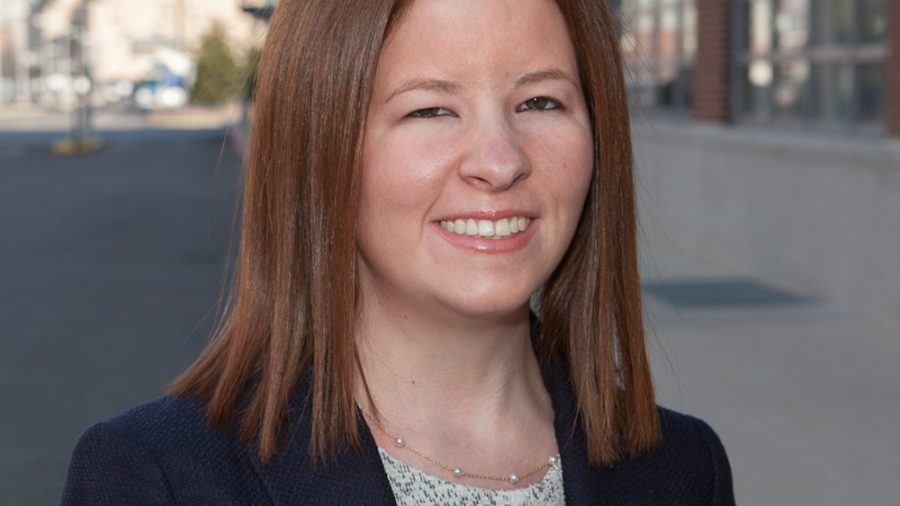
[(659, 43), (689, 31), (872, 21), (833, 90), (811, 61), (790, 89), (759, 27), (871, 92), (833, 21), (792, 25), (756, 83)]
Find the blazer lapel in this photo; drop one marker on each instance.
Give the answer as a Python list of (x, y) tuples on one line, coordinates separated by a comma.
[(292, 479)]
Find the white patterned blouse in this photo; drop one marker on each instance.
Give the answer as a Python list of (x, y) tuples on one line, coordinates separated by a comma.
[(413, 487)]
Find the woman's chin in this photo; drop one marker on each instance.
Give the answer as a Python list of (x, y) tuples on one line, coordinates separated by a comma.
[(486, 311)]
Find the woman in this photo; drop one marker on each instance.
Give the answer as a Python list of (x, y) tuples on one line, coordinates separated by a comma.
[(419, 171)]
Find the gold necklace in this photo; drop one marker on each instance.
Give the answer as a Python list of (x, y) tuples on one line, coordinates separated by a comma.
[(458, 472)]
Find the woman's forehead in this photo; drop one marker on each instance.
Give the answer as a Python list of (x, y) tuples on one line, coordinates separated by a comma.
[(441, 36)]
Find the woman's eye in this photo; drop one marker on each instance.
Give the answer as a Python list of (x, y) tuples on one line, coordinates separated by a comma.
[(431, 112), (539, 104)]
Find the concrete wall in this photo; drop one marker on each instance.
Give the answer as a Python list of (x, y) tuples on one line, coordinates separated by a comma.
[(813, 212)]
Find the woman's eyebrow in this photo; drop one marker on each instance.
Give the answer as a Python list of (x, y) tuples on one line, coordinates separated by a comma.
[(441, 85), (535, 76)]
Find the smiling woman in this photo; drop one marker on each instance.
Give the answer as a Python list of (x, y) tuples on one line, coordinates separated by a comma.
[(438, 299)]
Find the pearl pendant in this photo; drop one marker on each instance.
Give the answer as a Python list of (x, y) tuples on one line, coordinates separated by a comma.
[(553, 460), (399, 441), (514, 478), (457, 472)]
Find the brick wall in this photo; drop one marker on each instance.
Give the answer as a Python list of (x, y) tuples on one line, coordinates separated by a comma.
[(712, 68), (892, 74)]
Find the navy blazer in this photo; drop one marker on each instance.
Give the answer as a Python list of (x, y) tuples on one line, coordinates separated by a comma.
[(166, 453)]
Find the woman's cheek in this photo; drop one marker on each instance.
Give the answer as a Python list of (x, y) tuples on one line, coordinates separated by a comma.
[(417, 163), (566, 151)]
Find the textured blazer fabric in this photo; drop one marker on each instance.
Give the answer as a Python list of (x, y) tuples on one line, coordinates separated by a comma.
[(165, 453)]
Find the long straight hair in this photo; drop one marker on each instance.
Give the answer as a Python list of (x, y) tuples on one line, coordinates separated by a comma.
[(292, 307)]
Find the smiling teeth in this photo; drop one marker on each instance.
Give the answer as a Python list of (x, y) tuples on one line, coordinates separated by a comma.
[(486, 228)]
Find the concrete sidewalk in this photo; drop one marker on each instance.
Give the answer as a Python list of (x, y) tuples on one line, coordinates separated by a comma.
[(111, 118), (805, 395)]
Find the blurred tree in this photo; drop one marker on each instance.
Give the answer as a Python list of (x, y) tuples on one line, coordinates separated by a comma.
[(218, 75)]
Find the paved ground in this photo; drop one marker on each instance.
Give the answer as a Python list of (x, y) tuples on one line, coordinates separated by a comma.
[(109, 264), (805, 395)]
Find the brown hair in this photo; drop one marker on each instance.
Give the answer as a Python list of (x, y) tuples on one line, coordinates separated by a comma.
[(292, 308)]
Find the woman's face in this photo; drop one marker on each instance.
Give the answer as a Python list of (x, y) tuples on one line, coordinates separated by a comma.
[(477, 119)]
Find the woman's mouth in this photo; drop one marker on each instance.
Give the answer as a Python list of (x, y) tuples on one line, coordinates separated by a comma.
[(487, 229)]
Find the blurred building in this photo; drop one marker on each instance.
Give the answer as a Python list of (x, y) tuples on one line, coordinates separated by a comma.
[(125, 42), (768, 137), (15, 57), (820, 64)]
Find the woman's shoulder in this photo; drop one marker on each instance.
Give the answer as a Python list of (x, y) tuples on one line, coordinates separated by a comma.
[(686, 433), (166, 412), (690, 465), (162, 449), (165, 426)]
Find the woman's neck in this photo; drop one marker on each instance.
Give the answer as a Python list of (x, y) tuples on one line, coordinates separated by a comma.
[(468, 392)]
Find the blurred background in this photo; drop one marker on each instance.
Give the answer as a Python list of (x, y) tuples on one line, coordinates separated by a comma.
[(767, 140)]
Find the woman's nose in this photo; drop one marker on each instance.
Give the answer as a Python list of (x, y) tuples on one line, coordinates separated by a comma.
[(495, 159)]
